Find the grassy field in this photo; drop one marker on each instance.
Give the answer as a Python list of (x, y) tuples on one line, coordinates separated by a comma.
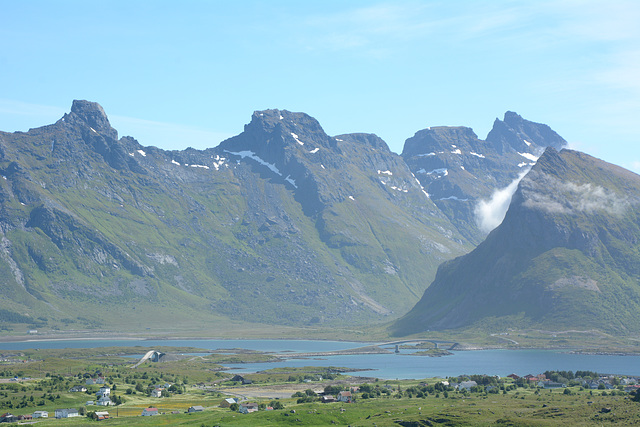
[(515, 408)]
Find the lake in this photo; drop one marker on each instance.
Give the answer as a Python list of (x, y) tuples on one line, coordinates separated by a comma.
[(384, 366)]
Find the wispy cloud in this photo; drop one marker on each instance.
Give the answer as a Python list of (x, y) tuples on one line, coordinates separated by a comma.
[(548, 193), (491, 212), (371, 29)]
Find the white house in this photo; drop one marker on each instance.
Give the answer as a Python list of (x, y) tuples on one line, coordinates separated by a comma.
[(157, 392), (67, 413), (104, 401), (40, 414), (103, 392), (345, 396), (466, 385)]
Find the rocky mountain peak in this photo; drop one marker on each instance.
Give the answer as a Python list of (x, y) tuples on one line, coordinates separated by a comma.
[(512, 118), (369, 139), (515, 134), (93, 114), (439, 138), (273, 132)]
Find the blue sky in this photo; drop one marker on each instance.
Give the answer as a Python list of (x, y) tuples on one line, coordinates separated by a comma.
[(190, 73)]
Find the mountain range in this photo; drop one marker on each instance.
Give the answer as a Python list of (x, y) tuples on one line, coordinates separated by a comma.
[(565, 257), (281, 224)]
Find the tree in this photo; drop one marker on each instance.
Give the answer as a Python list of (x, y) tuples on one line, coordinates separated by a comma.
[(276, 404), (332, 389), (234, 407)]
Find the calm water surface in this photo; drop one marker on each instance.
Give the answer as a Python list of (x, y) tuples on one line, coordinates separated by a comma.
[(386, 366), (490, 362)]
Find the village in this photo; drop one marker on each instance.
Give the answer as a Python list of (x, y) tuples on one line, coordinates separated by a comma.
[(250, 393)]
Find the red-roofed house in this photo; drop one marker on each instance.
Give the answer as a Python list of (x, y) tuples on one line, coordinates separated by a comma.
[(147, 412), (345, 396)]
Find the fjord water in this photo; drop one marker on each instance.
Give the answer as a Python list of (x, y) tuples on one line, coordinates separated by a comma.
[(490, 362), (384, 366)]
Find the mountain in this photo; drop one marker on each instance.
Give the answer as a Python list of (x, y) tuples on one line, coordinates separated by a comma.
[(458, 170), (282, 224), (567, 255)]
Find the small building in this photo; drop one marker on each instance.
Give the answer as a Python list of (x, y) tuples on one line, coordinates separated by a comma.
[(8, 418), (103, 392), (328, 399), (513, 376), (345, 396), (247, 408), (466, 385), (41, 414), (25, 417), (104, 401), (148, 412), (228, 402), (550, 384), (98, 380), (240, 378), (157, 392), (77, 389), (66, 413), (195, 408), (100, 415)]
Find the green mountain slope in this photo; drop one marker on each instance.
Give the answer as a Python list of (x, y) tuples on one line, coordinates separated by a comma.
[(281, 224), (567, 255)]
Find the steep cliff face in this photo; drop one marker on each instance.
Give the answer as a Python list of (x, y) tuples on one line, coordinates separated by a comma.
[(281, 224), (565, 256), (458, 170)]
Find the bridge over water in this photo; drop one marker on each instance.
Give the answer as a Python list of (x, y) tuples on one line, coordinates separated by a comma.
[(437, 343)]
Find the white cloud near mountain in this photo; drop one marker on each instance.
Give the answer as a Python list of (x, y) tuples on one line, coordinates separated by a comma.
[(552, 195), (490, 213)]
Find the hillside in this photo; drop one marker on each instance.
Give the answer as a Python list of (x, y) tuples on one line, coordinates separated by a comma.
[(281, 224), (565, 256)]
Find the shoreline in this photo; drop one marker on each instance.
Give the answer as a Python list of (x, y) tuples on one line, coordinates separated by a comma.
[(79, 337)]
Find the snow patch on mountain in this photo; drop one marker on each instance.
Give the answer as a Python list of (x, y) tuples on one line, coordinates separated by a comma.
[(529, 156), (295, 136), (253, 156)]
